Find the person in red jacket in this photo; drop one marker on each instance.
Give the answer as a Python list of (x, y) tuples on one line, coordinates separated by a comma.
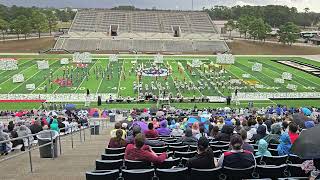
[(293, 132), (151, 132), (141, 152)]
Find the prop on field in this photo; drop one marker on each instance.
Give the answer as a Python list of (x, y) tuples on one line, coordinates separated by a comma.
[(257, 67), (246, 76), (287, 76), (8, 64), (158, 59), (196, 63), (43, 65), (18, 78), (279, 81), (113, 58), (64, 61), (81, 65), (292, 87), (30, 87), (63, 82), (259, 86), (85, 58), (225, 59)]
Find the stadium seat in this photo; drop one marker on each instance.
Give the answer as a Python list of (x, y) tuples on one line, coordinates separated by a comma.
[(270, 171), (142, 174), (236, 174), (114, 150), (294, 159), (274, 152), (168, 163), (169, 140), (159, 149), (193, 148), (174, 144), (108, 164), (205, 174), (179, 148), (273, 146), (169, 154), (102, 175), (219, 147), (294, 178), (112, 156), (172, 174), (178, 154), (129, 164), (274, 160), (217, 153), (296, 171), (223, 143)]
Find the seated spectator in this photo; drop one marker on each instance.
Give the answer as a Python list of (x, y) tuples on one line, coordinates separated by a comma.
[(215, 132), (226, 133), (293, 132), (35, 128), (285, 126), (188, 139), (4, 147), (116, 127), (309, 124), (117, 142), (202, 133), (11, 126), (237, 157), (67, 126), (246, 145), (24, 131), (263, 148), (274, 136), (204, 159), (177, 131), (55, 126), (141, 152), (137, 130), (253, 130), (285, 145), (151, 132), (164, 130), (237, 127), (261, 133), (195, 129)]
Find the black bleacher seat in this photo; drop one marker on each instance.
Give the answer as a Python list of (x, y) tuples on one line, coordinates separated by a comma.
[(102, 175), (258, 159), (137, 174), (169, 140), (178, 154), (159, 149), (294, 178), (255, 146), (168, 163), (236, 174), (169, 154), (193, 148), (179, 148), (219, 147), (217, 153), (274, 152), (112, 156), (274, 160), (174, 144), (129, 164), (108, 164), (273, 146), (172, 174), (222, 143), (114, 150), (296, 171), (205, 174), (294, 159), (271, 171)]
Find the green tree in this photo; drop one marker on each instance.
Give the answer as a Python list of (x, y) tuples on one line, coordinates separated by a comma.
[(52, 20), (4, 26), (258, 29), (244, 24), (16, 27), (230, 26), (24, 24), (39, 22), (288, 33)]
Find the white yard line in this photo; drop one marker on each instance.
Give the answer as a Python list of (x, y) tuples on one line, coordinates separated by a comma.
[(102, 78), (120, 78), (85, 77), (173, 80)]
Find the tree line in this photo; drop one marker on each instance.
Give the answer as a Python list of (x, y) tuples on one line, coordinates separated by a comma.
[(23, 20)]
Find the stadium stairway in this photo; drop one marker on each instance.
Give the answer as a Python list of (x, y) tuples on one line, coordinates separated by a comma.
[(71, 165)]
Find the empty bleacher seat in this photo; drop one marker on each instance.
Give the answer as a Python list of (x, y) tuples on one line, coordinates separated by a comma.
[(115, 150), (178, 154), (159, 149), (205, 174), (219, 147), (193, 148), (130, 164), (179, 148), (294, 159), (142, 174), (236, 174), (174, 144), (102, 175), (108, 164), (168, 163), (274, 160), (271, 171), (172, 174), (295, 170), (274, 152), (112, 156)]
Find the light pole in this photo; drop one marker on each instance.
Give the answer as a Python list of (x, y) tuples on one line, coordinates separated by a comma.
[(192, 4)]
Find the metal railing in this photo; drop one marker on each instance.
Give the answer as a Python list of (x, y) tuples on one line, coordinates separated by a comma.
[(73, 131)]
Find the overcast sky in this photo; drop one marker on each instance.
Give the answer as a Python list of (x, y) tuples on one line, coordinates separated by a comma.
[(314, 5)]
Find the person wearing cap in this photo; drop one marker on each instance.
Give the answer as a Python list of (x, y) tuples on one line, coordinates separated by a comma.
[(204, 159), (237, 157)]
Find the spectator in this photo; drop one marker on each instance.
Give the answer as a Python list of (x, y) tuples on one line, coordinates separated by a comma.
[(261, 133), (237, 127), (285, 125), (11, 126), (151, 132), (246, 145), (253, 130), (237, 157), (293, 132), (141, 152), (274, 136), (204, 159), (35, 128), (226, 133), (4, 147), (309, 124), (54, 125), (164, 130), (202, 133), (135, 130), (116, 127), (24, 131), (263, 148), (117, 142), (195, 129), (188, 139), (285, 145), (177, 131), (215, 132)]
